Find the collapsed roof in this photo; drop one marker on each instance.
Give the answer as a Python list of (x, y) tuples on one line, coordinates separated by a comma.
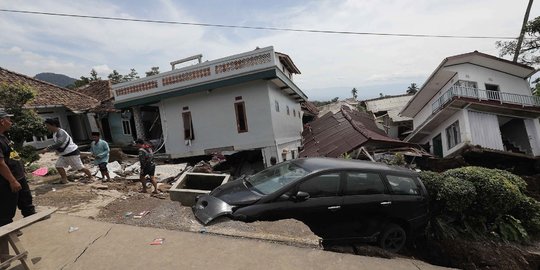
[(335, 134)]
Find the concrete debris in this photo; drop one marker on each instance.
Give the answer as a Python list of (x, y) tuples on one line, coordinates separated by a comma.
[(99, 186), (134, 168), (72, 229), (203, 167), (168, 172)]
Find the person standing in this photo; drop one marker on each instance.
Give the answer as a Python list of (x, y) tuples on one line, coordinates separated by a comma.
[(100, 150), (14, 190), (148, 167), (66, 148)]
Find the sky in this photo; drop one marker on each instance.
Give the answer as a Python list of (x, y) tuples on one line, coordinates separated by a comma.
[(331, 64)]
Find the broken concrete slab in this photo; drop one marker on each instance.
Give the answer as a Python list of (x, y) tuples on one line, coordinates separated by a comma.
[(191, 184), (168, 171), (133, 168), (112, 167)]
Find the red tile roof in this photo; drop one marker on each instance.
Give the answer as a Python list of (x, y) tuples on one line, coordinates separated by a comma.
[(48, 94), (100, 90), (310, 108), (333, 135)]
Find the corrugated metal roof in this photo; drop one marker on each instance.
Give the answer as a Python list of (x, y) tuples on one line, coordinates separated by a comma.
[(335, 134)]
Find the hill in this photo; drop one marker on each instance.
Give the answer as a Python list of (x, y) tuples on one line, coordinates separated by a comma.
[(57, 79)]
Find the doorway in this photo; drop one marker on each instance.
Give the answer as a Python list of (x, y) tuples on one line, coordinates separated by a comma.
[(437, 146)]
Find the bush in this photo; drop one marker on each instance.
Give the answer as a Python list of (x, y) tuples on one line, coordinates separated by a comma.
[(496, 194), (456, 195), (28, 154), (479, 203)]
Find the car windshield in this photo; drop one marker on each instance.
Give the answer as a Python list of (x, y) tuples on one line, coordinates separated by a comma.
[(273, 178)]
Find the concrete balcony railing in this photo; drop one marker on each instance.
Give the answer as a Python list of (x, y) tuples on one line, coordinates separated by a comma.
[(484, 95), (245, 63)]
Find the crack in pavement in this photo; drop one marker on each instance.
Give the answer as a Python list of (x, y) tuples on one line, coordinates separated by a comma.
[(87, 246)]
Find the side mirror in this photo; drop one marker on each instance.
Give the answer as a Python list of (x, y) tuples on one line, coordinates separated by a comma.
[(301, 196)]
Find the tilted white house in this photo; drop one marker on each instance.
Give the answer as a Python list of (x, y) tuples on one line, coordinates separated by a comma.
[(476, 99), (241, 102)]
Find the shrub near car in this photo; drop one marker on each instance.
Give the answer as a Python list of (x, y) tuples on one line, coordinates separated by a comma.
[(340, 199)]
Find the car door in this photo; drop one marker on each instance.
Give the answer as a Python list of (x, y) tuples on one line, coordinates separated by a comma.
[(366, 203), (323, 202), (409, 201)]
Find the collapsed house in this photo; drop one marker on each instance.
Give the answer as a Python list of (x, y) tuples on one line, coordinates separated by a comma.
[(386, 111), (242, 102), (115, 125), (52, 101), (348, 131), (475, 99)]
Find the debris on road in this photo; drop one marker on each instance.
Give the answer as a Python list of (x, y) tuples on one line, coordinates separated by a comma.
[(157, 242), (72, 229), (141, 214), (41, 171)]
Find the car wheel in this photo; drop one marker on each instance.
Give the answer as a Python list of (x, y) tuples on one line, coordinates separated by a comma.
[(393, 238)]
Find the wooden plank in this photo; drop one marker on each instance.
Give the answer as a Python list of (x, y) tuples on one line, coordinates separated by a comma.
[(20, 251), (21, 223), (12, 258)]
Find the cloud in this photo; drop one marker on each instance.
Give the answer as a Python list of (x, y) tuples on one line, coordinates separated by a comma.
[(326, 60), (102, 70)]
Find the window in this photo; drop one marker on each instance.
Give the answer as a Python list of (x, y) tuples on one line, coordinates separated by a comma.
[(325, 185), (126, 127), (467, 84), (288, 111), (294, 112), (188, 126), (363, 183), (453, 137), (403, 185), (492, 87), (277, 106), (241, 120)]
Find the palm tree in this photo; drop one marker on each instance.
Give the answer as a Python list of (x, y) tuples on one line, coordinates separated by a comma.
[(354, 93), (412, 89)]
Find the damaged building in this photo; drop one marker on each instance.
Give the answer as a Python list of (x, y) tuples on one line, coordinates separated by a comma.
[(347, 132), (386, 111), (241, 102), (51, 101), (475, 99)]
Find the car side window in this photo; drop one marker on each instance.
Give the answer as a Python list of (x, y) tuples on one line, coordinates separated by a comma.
[(359, 183), (325, 185), (403, 185)]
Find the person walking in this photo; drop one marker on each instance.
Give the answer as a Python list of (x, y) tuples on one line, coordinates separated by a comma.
[(100, 150), (148, 167), (66, 148), (14, 190)]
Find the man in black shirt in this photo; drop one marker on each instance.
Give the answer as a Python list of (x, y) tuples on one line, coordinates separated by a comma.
[(14, 190)]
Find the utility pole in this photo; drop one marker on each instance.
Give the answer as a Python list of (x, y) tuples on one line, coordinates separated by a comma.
[(520, 39)]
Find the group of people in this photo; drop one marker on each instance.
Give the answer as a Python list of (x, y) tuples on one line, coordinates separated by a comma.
[(14, 189)]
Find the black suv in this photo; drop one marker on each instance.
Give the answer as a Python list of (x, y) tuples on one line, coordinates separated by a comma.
[(338, 199)]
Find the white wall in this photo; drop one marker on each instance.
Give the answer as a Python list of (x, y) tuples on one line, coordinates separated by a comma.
[(533, 130), (485, 130), (287, 128), (45, 113), (214, 119), (464, 130), (427, 110), (507, 83)]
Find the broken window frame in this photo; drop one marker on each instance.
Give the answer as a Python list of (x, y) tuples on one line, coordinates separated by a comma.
[(453, 135), (126, 127), (240, 115), (188, 127), (276, 105)]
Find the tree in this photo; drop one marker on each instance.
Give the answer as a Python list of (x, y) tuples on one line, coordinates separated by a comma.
[(94, 76), (115, 77), (13, 97), (354, 93), (335, 99), (133, 75), (529, 52), (412, 89), (152, 71)]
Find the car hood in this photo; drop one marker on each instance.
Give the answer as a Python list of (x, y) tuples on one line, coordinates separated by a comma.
[(235, 193), (222, 200)]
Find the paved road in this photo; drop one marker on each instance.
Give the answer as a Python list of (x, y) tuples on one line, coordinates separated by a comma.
[(100, 245)]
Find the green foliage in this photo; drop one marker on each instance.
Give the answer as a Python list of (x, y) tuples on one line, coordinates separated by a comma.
[(346, 156), (479, 203), (52, 171), (28, 154), (529, 48), (398, 160), (412, 89), (354, 93), (26, 121), (496, 193), (115, 77), (456, 195), (153, 71), (32, 167)]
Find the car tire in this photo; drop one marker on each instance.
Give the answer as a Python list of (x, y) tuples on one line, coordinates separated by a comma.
[(392, 238)]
